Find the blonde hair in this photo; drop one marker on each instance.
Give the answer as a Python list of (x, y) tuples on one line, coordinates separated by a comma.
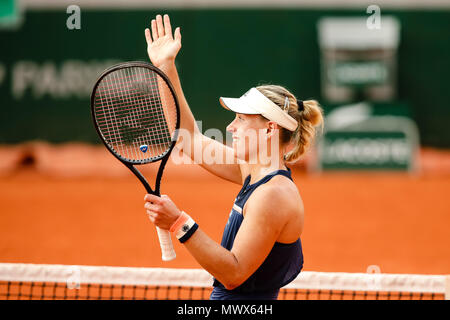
[(308, 118)]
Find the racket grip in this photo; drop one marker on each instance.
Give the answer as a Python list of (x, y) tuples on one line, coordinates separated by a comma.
[(165, 241)]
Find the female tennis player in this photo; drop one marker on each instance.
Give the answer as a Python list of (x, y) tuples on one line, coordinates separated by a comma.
[(261, 249)]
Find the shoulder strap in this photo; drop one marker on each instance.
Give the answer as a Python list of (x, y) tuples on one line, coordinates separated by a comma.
[(286, 173)]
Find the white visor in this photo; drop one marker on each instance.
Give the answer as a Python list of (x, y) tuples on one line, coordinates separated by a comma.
[(254, 102)]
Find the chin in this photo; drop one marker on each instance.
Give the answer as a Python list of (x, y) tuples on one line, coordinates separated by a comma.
[(238, 152)]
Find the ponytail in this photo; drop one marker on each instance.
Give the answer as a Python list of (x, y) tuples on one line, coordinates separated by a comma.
[(302, 138), (309, 116)]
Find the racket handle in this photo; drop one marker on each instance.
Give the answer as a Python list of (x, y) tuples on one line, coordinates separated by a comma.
[(168, 253)]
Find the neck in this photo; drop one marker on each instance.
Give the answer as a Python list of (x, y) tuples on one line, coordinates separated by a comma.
[(258, 170)]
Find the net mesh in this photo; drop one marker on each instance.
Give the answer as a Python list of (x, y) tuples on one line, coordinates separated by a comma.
[(135, 113), (59, 282)]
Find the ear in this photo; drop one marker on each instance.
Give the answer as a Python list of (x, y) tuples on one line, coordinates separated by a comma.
[(272, 129)]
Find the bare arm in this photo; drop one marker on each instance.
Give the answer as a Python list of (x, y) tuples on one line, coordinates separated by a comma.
[(263, 223), (162, 50), (254, 240)]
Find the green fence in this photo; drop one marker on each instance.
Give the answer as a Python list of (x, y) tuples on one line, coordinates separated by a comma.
[(46, 70)]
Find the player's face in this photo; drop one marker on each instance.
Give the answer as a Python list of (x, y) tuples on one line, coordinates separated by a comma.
[(247, 132)]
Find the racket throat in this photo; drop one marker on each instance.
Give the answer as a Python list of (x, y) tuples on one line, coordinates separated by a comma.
[(144, 181), (159, 175)]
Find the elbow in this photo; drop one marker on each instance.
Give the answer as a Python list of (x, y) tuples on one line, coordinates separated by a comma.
[(233, 283), (235, 276)]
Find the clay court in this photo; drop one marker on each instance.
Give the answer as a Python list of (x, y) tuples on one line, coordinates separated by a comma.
[(76, 204)]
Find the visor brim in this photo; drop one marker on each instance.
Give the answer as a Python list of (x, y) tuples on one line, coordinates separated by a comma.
[(237, 105)]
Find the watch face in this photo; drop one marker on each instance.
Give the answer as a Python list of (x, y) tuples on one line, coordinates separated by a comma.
[(185, 228)]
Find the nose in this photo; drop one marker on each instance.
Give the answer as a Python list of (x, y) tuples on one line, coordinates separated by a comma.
[(230, 127)]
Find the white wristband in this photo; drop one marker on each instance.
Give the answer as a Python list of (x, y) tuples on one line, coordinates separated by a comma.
[(185, 228)]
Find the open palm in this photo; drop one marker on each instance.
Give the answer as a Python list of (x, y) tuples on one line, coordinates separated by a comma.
[(161, 46)]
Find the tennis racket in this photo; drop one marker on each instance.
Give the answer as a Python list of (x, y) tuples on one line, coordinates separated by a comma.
[(136, 114)]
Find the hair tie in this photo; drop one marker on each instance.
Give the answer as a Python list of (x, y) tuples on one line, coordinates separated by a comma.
[(301, 107)]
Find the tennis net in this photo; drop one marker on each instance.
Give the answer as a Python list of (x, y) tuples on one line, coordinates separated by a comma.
[(61, 282)]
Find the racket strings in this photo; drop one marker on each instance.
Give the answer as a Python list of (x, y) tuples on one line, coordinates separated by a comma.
[(131, 117), (135, 113)]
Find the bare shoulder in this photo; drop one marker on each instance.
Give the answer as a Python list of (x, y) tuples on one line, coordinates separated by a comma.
[(279, 197), (279, 204)]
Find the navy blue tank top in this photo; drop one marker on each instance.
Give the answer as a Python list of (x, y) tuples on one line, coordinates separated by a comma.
[(280, 267)]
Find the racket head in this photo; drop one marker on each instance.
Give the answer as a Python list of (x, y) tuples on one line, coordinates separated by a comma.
[(136, 112)]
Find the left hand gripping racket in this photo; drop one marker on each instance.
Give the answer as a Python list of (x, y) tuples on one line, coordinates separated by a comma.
[(137, 116)]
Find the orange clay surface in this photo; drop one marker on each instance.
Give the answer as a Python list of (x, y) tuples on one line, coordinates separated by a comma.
[(66, 209)]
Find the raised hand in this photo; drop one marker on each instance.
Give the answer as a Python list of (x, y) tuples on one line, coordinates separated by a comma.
[(162, 47)]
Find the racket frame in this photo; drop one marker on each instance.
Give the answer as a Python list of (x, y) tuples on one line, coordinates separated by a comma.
[(130, 164)]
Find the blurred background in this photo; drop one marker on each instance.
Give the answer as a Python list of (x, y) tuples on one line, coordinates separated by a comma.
[(375, 184)]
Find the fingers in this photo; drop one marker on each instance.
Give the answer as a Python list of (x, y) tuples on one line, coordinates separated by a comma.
[(160, 26), (155, 203), (167, 26), (158, 220), (151, 216), (152, 210), (152, 198), (154, 30), (152, 207), (178, 34), (148, 36), (154, 213), (161, 210)]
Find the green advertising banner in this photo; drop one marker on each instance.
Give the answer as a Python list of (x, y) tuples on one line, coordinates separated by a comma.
[(357, 73), (47, 69), (365, 136), (367, 150)]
